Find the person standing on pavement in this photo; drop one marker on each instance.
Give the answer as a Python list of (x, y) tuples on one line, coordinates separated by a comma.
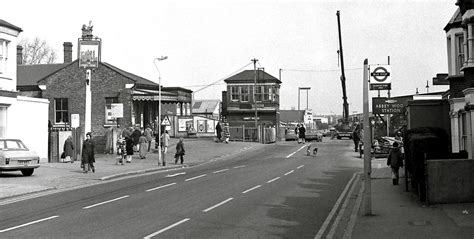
[(179, 151), (218, 132), (129, 149), (142, 141), (302, 133), (297, 133), (136, 136), (88, 154), (356, 137), (165, 139), (69, 149), (149, 136), (126, 132), (395, 161)]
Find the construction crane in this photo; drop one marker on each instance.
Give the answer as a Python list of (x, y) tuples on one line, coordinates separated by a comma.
[(345, 105)]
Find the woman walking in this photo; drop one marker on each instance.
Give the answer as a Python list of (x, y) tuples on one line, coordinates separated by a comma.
[(69, 149), (88, 154), (143, 145), (179, 151)]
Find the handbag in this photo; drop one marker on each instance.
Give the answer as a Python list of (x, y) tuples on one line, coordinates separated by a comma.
[(63, 155)]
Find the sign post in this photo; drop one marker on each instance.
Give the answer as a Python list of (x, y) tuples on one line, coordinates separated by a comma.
[(367, 153)]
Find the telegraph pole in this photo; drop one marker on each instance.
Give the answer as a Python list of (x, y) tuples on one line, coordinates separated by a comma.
[(255, 89), (367, 155)]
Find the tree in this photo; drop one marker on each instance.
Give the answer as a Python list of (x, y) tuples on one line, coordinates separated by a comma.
[(37, 51)]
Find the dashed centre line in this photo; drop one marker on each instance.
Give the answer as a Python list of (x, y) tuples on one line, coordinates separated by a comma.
[(300, 166), (200, 176), (248, 190), (220, 171), (273, 180), (27, 224), (217, 205), (166, 228), (98, 204), (289, 172), (241, 166), (289, 155), (163, 186)]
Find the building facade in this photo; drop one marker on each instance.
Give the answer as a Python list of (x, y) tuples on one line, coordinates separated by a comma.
[(246, 96)]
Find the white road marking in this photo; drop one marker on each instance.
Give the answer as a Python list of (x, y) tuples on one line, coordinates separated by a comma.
[(27, 224), (248, 190), (163, 186), (289, 155), (272, 180), (241, 166), (217, 205), (200, 176), (220, 171), (334, 208), (166, 228), (289, 172), (174, 175), (98, 204), (300, 166)]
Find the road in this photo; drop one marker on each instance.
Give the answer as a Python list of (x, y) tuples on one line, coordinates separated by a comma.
[(275, 192)]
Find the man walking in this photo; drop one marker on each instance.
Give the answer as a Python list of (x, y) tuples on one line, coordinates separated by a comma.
[(165, 139)]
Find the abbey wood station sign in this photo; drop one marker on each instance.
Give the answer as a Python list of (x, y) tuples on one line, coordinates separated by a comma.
[(384, 105)]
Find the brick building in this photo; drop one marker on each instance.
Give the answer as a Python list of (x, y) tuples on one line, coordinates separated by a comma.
[(65, 86)]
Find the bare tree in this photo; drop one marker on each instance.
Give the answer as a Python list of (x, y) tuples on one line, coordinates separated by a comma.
[(37, 51)]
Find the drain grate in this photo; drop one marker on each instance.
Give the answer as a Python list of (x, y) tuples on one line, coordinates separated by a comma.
[(420, 223)]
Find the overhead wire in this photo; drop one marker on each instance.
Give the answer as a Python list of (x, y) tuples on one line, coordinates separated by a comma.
[(217, 81)]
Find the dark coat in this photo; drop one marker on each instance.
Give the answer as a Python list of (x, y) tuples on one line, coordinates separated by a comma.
[(302, 132), (129, 145), (88, 151), (136, 136), (218, 130), (395, 158), (179, 149), (68, 148)]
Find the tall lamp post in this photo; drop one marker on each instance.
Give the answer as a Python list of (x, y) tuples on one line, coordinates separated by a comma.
[(300, 89), (162, 58)]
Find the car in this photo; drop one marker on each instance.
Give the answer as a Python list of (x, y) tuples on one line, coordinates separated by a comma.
[(14, 156)]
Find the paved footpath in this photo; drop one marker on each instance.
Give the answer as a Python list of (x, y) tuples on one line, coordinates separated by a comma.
[(62, 176)]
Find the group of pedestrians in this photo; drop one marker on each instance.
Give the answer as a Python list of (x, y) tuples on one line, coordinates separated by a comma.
[(300, 132), (87, 157), (222, 134)]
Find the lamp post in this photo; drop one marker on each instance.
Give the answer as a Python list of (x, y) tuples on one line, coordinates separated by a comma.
[(162, 58), (303, 88)]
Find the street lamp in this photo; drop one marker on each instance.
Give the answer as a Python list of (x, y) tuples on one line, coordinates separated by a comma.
[(162, 58), (303, 88)]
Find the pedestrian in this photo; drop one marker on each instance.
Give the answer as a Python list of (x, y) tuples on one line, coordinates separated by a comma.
[(179, 151), (219, 132), (88, 158), (226, 133), (297, 133), (136, 136), (126, 132), (165, 139), (356, 137), (68, 150), (129, 149), (302, 133), (149, 136), (395, 161), (143, 143)]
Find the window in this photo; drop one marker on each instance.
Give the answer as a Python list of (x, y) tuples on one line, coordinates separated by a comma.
[(61, 111), (3, 121), (3, 55), (234, 93), (459, 52), (108, 109), (244, 93), (463, 131), (259, 93)]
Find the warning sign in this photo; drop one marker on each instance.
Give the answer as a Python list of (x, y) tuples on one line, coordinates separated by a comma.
[(166, 121)]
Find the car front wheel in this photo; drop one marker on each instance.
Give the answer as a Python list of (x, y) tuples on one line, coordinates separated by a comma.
[(27, 172)]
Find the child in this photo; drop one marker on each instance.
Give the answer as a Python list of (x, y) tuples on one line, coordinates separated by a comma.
[(179, 151)]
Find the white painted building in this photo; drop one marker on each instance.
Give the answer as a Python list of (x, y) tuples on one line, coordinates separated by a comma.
[(21, 117)]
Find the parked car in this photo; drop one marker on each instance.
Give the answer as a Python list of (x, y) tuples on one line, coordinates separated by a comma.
[(14, 156)]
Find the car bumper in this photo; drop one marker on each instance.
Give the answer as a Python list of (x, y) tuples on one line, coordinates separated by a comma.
[(18, 167)]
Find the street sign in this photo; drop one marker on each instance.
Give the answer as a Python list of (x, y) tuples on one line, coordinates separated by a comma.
[(380, 78), (166, 121), (387, 106), (116, 110), (75, 120)]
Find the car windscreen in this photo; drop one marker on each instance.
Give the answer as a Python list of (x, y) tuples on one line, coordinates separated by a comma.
[(12, 145)]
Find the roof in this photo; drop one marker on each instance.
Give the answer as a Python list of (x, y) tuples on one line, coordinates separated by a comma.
[(291, 115), (28, 75), (205, 106), (9, 25), (455, 21), (249, 76)]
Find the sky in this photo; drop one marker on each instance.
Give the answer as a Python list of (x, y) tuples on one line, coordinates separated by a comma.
[(209, 40)]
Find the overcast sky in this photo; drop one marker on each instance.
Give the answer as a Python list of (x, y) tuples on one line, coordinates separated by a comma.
[(210, 40)]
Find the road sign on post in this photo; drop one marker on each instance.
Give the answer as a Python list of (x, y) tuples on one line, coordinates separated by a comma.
[(380, 78), (384, 105)]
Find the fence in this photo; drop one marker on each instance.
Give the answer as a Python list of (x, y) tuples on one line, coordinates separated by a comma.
[(242, 133)]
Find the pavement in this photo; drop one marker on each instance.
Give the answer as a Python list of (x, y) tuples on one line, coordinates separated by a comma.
[(395, 213)]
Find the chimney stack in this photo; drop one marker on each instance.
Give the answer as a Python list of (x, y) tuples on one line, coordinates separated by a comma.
[(67, 52), (19, 55)]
